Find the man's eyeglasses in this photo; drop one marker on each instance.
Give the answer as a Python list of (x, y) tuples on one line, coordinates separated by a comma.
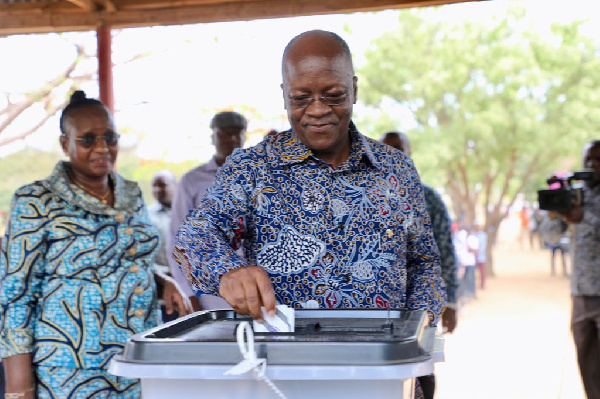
[(90, 140), (329, 99)]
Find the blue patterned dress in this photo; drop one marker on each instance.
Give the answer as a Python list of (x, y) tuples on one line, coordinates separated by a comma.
[(358, 236), (76, 280)]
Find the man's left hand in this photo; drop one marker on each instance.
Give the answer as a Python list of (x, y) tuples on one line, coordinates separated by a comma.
[(449, 320)]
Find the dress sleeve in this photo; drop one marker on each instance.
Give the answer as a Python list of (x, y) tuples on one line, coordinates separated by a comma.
[(21, 273)]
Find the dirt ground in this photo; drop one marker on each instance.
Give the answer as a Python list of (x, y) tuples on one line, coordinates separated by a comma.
[(513, 341)]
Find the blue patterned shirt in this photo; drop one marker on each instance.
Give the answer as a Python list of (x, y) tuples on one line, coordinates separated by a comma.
[(585, 279), (442, 232), (76, 276), (358, 236)]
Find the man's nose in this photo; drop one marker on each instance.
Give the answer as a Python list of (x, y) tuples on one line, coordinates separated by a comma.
[(317, 108)]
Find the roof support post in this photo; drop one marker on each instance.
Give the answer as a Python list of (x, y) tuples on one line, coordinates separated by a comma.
[(105, 72)]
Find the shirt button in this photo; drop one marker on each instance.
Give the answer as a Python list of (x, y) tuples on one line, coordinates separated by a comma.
[(139, 313), (139, 291), (135, 269), (132, 251), (128, 230), (389, 233), (119, 218)]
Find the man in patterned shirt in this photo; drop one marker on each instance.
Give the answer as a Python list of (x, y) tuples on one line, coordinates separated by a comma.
[(326, 216), (442, 232), (585, 279)]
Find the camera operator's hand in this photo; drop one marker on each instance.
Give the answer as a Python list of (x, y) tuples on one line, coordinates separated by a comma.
[(573, 215)]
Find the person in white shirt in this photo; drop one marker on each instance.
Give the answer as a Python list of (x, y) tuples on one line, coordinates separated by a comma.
[(467, 246), (481, 256)]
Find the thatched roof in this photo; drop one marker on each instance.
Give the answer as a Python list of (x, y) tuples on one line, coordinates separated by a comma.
[(40, 16)]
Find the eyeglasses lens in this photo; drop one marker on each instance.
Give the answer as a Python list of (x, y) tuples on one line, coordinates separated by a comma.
[(89, 140), (331, 100)]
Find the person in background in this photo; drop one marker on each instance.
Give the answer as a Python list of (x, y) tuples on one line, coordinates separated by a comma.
[(326, 216), (481, 256), (76, 275), (535, 219), (163, 188), (442, 232), (228, 133), (554, 230), (524, 218), (467, 247), (585, 276)]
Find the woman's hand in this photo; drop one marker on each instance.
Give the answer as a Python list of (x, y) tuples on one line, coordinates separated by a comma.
[(174, 298)]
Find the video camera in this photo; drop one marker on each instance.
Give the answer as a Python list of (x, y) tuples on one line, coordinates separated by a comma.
[(562, 198)]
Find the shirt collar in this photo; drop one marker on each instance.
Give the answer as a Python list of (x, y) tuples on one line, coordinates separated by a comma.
[(291, 150), (212, 165)]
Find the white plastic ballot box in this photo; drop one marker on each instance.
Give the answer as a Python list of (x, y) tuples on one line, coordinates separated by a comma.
[(332, 353)]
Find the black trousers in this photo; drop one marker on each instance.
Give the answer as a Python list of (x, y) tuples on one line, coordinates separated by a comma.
[(427, 383)]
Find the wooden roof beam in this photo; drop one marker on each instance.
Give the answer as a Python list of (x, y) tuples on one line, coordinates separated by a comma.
[(87, 5), (56, 21)]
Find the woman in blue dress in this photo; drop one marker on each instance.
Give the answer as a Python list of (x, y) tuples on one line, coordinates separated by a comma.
[(76, 269)]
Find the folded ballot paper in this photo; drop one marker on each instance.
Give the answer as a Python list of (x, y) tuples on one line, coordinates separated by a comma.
[(283, 321)]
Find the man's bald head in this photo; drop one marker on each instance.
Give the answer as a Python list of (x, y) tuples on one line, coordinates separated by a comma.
[(316, 43)]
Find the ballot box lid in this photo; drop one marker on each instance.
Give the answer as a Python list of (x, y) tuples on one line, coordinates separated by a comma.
[(321, 337)]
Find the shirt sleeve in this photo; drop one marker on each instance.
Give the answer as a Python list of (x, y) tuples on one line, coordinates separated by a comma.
[(425, 287), (182, 203), (442, 232), (21, 274), (206, 242)]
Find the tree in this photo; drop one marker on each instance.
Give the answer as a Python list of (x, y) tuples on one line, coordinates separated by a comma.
[(52, 95), (497, 104), (45, 95)]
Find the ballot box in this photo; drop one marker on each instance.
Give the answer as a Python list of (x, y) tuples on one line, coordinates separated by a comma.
[(332, 353)]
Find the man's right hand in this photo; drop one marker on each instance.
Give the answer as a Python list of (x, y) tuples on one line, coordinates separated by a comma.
[(246, 289)]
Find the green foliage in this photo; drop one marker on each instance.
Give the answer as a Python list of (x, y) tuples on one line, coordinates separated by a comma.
[(141, 171), (22, 168), (498, 105)]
